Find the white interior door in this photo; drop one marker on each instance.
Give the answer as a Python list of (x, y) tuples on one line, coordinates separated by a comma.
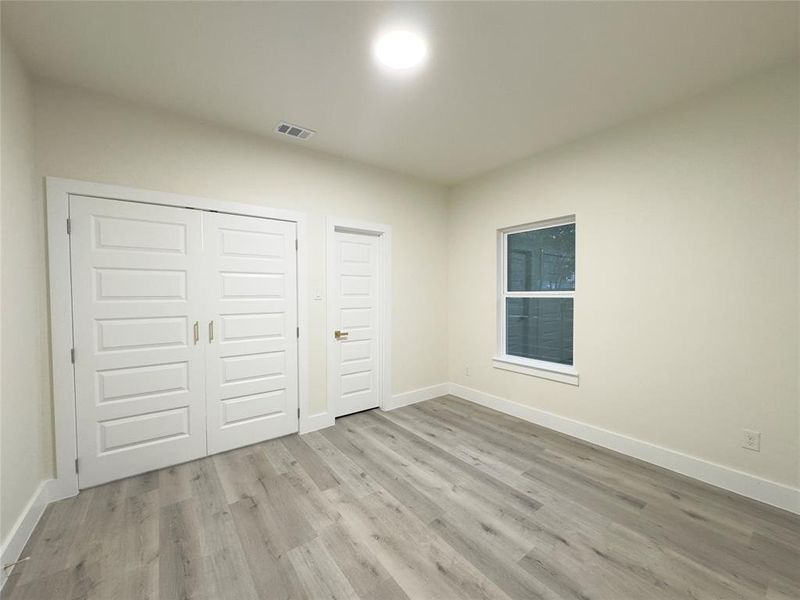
[(137, 291), (251, 367), (353, 366)]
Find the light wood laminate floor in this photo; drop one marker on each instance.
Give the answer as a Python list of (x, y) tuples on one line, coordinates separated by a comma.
[(439, 500)]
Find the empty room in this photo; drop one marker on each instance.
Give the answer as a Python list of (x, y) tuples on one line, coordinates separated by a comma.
[(400, 300)]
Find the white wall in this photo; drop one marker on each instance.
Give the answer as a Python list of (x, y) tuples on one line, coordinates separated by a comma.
[(687, 276), (25, 449), (98, 138)]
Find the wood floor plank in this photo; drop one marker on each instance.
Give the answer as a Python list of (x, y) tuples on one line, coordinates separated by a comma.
[(59, 584), (238, 472), (181, 573), (781, 560), (275, 510), (101, 526), (141, 583), (278, 457), (228, 576), (394, 482), (364, 572), (15, 573), (421, 562), (311, 502), (175, 483), (217, 532), (346, 471), (388, 589), (472, 449), (608, 564), (308, 459), (482, 481), (669, 486), (135, 545), (497, 566), (441, 500), (469, 496), (270, 570), (61, 531), (319, 574)]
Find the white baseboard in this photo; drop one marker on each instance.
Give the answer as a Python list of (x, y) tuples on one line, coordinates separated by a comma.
[(61, 488), (751, 486), (316, 422), (47, 492), (413, 396)]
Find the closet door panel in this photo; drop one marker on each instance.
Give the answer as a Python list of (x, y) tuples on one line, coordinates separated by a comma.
[(251, 301), (137, 291)]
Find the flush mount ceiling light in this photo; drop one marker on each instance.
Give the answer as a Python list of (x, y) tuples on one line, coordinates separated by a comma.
[(400, 50)]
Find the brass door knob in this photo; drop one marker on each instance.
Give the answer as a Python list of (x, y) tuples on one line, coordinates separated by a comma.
[(340, 335)]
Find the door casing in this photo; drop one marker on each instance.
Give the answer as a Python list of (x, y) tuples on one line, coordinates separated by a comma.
[(384, 351), (58, 191)]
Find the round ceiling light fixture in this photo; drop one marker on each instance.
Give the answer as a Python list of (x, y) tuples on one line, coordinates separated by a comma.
[(400, 50)]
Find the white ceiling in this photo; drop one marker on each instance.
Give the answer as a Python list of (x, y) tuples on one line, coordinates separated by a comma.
[(503, 79)]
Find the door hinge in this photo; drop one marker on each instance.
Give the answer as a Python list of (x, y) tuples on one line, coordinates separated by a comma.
[(77, 469), (298, 332), (72, 355), (298, 412), (69, 226), (296, 244)]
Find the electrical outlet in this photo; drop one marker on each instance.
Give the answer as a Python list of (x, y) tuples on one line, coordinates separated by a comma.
[(751, 440)]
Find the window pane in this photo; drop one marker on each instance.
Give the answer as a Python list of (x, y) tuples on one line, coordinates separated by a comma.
[(543, 259), (540, 328)]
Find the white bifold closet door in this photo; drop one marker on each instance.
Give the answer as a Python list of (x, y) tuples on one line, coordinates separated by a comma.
[(137, 290), (184, 326), (251, 360)]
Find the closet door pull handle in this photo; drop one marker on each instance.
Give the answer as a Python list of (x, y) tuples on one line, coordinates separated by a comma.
[(211, 331), (196, 331)]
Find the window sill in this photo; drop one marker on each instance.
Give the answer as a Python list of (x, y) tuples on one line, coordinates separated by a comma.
[(537, 368)]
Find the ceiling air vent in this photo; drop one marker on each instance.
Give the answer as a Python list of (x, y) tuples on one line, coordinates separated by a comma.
[(294, 131)]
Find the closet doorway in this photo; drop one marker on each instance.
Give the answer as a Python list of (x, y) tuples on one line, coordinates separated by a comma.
[(185, 331)]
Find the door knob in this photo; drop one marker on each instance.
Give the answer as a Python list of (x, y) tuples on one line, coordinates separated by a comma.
[(340, 335)]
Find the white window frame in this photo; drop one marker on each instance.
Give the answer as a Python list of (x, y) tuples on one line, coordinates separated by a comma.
[(518, 364)]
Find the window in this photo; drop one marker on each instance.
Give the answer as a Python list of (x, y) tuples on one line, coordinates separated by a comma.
[(537, 296)]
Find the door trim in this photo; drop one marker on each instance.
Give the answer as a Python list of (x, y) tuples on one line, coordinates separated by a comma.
[(58, 191), (384, 235)]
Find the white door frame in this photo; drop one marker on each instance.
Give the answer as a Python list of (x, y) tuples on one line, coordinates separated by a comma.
[(59, 265), (384, 235)]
